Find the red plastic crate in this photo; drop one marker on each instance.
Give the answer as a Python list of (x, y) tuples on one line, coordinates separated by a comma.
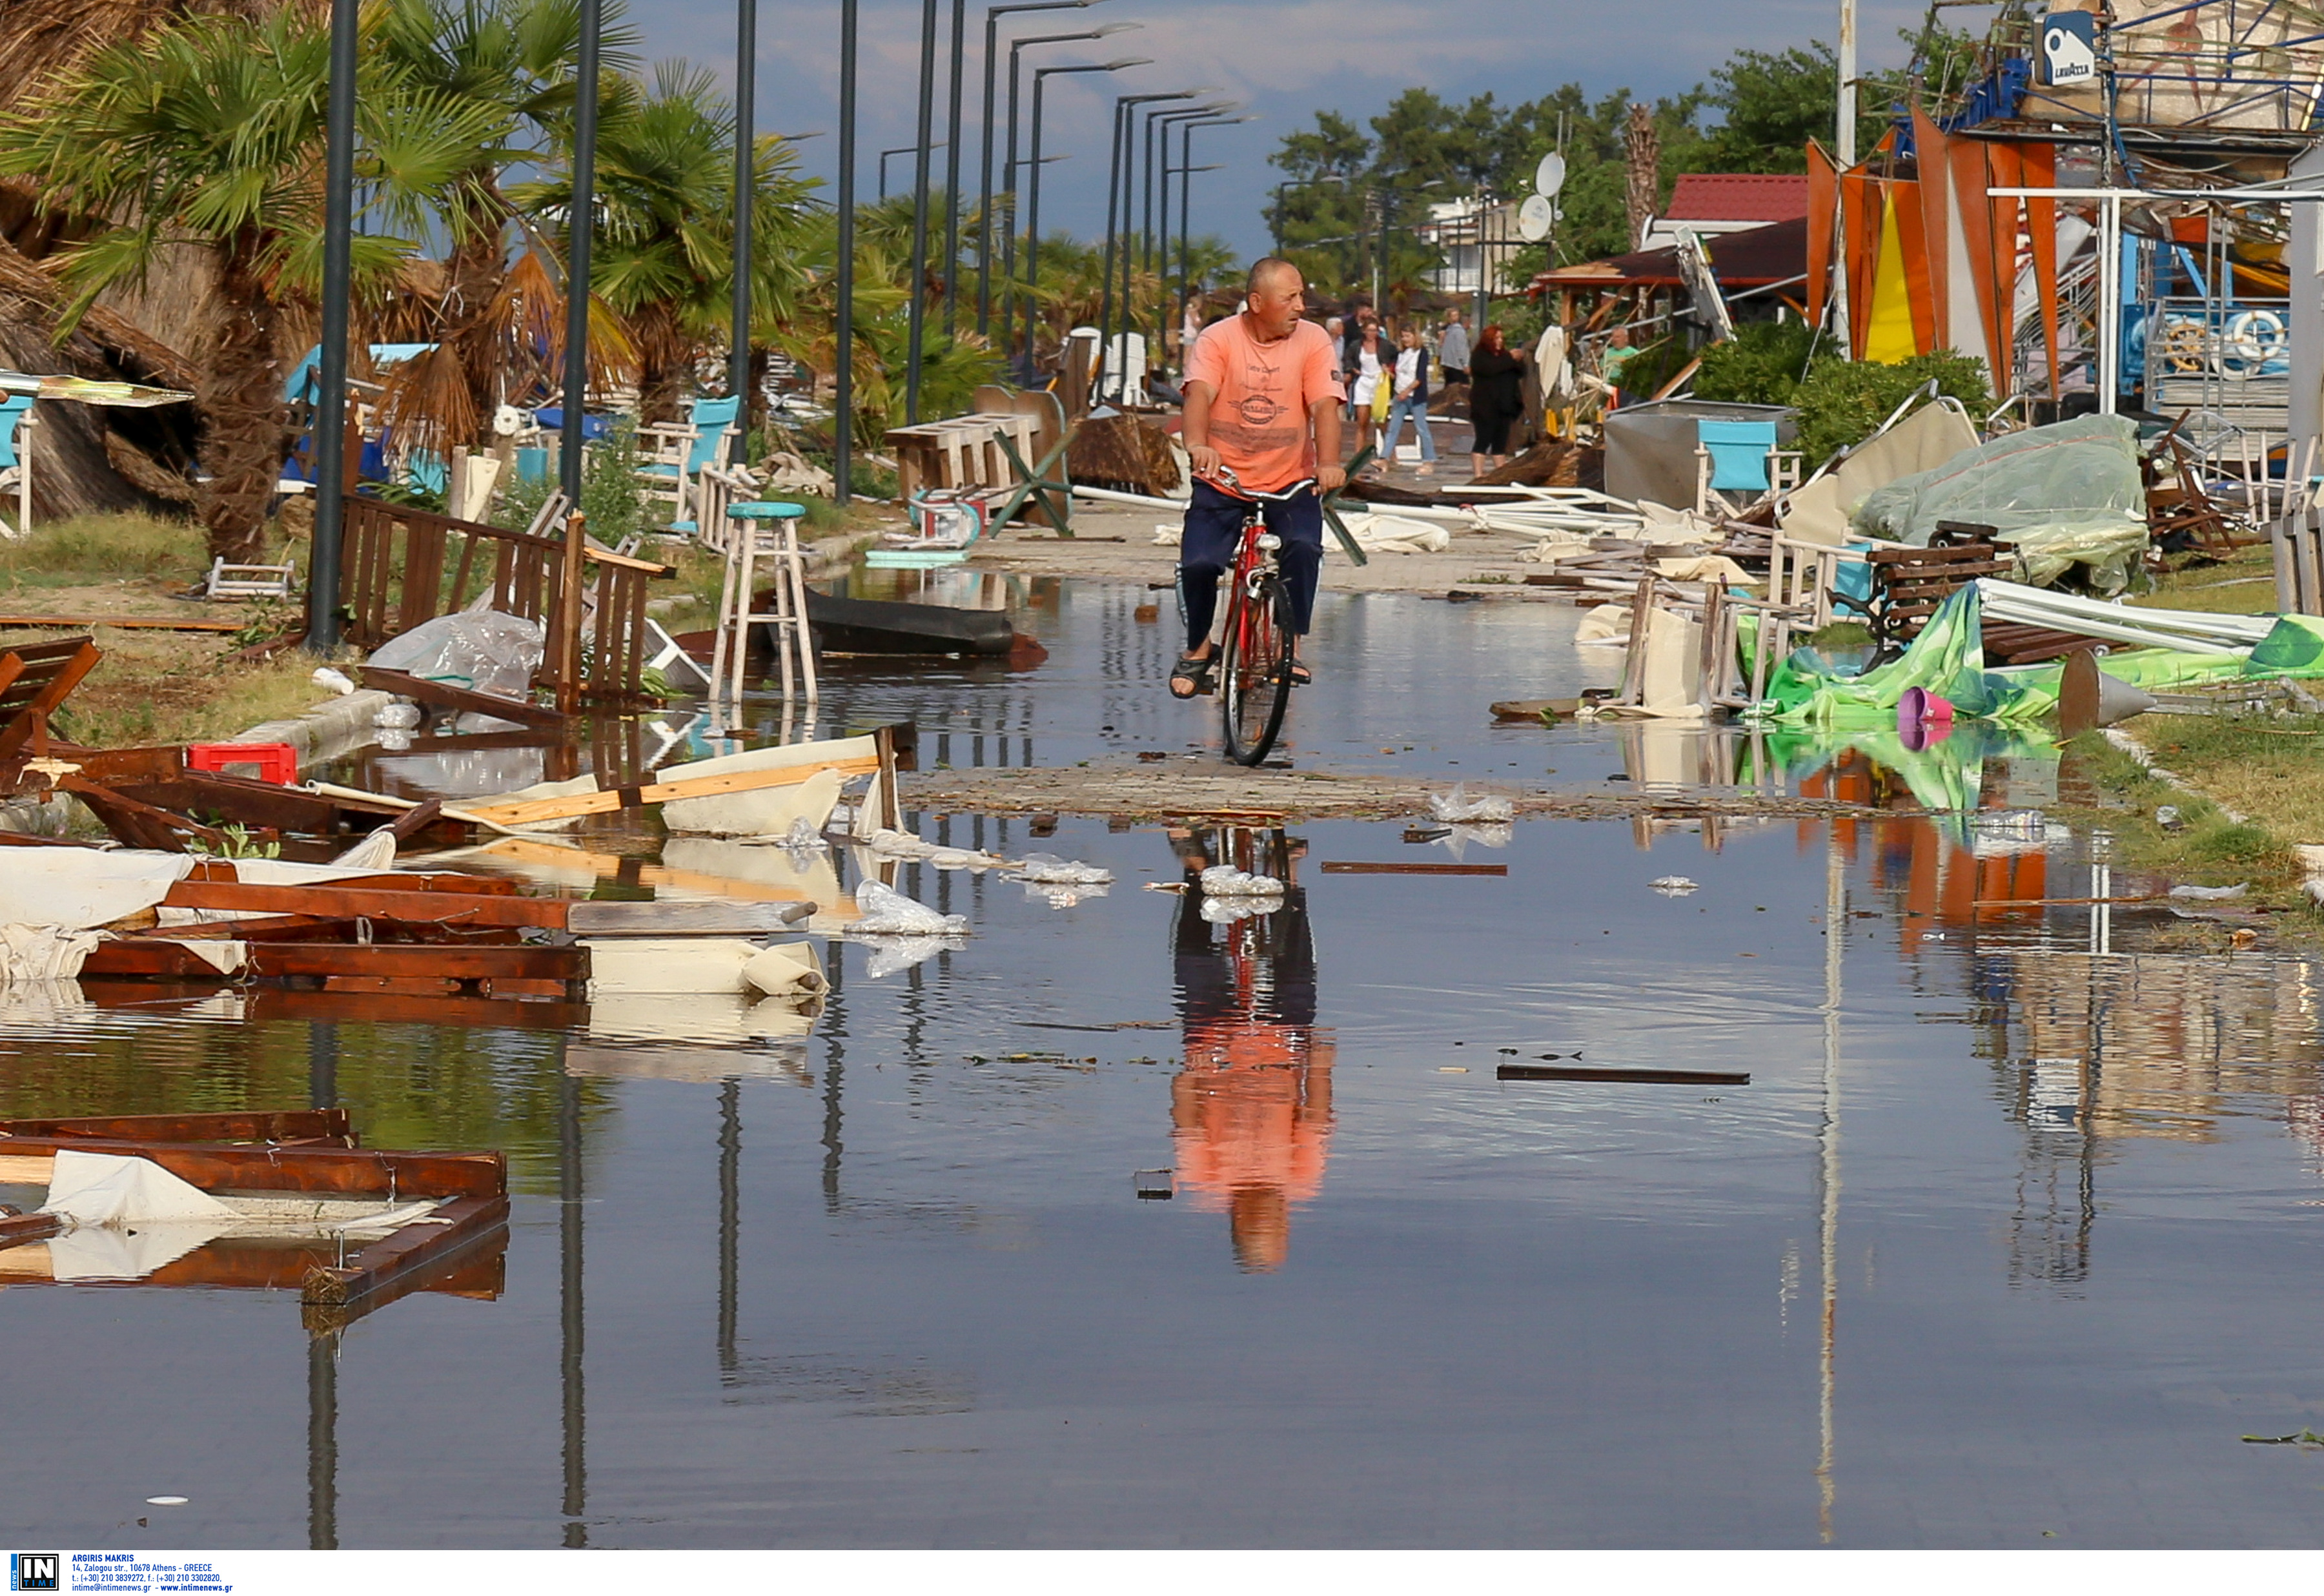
[(277, 762)]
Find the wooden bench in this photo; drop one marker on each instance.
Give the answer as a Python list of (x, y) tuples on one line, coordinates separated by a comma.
[(965, 452), (1910, 585), (36, 680)]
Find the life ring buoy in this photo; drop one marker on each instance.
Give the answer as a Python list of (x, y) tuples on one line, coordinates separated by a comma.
[(2254, 337)]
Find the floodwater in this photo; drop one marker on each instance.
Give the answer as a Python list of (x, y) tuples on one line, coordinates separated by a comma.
[(2008, 1241)]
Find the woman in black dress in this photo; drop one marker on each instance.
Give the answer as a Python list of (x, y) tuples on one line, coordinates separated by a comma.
[(1495, 398)]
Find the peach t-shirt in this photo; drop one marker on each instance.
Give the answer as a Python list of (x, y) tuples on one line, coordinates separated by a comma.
[(1259, 421)]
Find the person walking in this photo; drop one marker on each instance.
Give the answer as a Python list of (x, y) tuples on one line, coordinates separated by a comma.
[(1496, 397), (1411, 401), (1453, 350), (1372, 360), (1263, 400)]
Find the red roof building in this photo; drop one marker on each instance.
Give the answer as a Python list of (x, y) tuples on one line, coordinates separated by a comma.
[(1750, 197)]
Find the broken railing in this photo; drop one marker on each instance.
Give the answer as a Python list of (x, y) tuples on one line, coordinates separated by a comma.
[(403, 567)]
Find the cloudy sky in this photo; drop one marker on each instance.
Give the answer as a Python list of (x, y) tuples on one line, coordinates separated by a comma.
[(1283, 59)]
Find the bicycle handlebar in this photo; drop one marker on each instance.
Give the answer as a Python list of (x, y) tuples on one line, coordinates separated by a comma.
[(1226, 474)]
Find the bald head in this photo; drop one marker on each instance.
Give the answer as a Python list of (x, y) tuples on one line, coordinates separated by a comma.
[(1275, 296)]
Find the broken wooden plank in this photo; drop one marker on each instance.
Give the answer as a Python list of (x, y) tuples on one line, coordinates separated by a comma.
[(124, 623), (452, 1230), (1396, 867), (617, 919), (608, 799), (29, 1227), (259, 1125), (334, 899), (444, 695), (1574, 1072), (342, 1171)]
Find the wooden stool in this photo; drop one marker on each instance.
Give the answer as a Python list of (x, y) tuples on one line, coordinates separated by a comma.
[(768, 529)]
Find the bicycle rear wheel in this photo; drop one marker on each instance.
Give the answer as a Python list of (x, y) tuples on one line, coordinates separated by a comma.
[(1255, 670)]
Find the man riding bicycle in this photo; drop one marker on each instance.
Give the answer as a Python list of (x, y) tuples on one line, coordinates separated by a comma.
[(1262, 399)]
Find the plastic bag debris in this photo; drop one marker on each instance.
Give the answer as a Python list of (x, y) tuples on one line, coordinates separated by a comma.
[(1064, 894), (1224, 881), (803, 843), (484, 652), (889, 913), (2210, 894), (1049, 868), (903, 845), (889, 956), (397, 716), (1672, 886), (1457, 805), (1223, 911), (332, 680)]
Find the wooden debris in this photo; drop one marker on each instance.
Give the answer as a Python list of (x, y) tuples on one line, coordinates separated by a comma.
[(1399, 867), (1678, 1077)]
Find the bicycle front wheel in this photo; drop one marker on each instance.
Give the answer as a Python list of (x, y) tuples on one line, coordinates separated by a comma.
[(1255, 670)]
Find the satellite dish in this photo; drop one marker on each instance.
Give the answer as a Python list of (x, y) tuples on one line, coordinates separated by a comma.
[(1533, 217), (1549, 177)]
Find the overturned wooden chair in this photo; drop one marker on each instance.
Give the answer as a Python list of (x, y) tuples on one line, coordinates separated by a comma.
[(36, 680)]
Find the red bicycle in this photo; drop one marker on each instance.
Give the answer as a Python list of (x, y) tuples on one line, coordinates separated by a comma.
[(1255, 656)]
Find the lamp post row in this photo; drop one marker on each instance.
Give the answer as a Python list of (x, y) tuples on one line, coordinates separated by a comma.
[(330, 411)]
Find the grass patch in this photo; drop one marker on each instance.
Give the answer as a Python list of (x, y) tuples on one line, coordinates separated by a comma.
[(2206, 846), (92, 549), (2243, 584), (1841, 634), (162, 687)]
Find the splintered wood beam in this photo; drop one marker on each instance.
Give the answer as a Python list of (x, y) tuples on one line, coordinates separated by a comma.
[(407, 1259), (1676, 1077), (279, 1125), (31, 1227), (335, 900), (533, 811), (340, 1171), (445, 696), (157, 957)]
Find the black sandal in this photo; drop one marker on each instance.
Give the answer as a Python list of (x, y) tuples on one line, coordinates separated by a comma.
[(1196, 673), (1300, 676)]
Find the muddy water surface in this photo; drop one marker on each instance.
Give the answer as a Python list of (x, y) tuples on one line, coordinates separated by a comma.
[(1119, 1224)]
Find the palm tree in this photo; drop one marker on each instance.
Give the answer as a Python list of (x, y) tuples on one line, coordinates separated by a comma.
[(209, 135), (496, 311), (663, 258)]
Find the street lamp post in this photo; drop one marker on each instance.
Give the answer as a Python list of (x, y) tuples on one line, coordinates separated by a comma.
[(1185, 171), (746, 163), (951, 171), (1284, 187), (992, 16), (1010, 166), (843, 417), (885, 155), (1120, 197), (330, 412), (1041, 75), (917, 315), (1156, 252), (580, 223)]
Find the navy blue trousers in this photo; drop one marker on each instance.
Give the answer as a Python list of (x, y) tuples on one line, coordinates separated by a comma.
[(1206, 550)]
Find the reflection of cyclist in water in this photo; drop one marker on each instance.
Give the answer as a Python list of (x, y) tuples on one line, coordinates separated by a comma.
[(1251, 1110)]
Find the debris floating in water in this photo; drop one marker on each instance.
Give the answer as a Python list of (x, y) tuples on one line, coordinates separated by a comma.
[(1224, 881), (1457, 805), (166, 1501), (1672, 886), (889, 913)]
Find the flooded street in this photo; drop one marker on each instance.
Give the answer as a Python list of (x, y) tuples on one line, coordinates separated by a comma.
[(1117, 1224)]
